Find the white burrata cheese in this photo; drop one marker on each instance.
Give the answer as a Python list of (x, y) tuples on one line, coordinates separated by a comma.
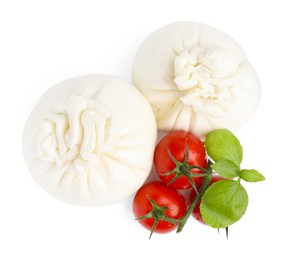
[(90, 140), (196, 78)]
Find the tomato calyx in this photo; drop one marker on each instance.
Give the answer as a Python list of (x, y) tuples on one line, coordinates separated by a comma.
[(158, 213), (184, 169)]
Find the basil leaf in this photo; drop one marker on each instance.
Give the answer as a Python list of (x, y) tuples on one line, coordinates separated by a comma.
[(251, 175), (223, 145), (226, 168), (224, 203)]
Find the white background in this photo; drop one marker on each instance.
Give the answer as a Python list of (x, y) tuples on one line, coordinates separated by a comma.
[(45, 42)]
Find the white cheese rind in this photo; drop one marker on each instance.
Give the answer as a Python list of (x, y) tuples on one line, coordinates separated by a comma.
[(196, 78), (90, 140)]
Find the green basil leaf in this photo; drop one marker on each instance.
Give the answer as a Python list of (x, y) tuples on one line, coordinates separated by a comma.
[(224, 203), (251, 175), (223, 145), (226, 168)]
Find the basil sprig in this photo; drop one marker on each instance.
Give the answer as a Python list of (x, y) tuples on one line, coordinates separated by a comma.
[(226, 201)]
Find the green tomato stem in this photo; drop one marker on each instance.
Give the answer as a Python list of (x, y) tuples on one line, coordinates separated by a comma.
[(205, 185), (184, 169)]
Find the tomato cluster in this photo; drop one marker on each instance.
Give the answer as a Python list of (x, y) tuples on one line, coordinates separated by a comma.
[(180, 160)]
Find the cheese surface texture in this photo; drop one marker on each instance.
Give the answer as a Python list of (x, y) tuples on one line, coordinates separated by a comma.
[(90, 140), (196, 78)]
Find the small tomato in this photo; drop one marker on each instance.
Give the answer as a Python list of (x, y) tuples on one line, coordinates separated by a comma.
[(158, 207), (171, 160)]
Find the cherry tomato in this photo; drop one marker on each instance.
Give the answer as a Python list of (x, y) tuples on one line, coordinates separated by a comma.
[(176, 144), (170, 203), (196, 212)]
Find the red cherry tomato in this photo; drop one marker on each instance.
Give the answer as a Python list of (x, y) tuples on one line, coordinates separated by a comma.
[(196, 212), (176, 143), (163, 196)]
